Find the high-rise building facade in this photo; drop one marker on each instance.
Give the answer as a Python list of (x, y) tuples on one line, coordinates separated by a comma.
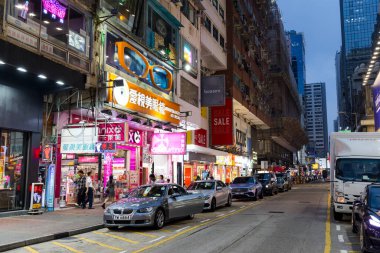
[(357, 25), (316, 119), (297, 47)]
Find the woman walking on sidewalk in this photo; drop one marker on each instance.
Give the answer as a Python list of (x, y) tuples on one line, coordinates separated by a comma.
[(89, 191), (110, 191)]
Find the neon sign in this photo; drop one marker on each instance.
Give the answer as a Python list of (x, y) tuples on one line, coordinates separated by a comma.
[(55, 8)]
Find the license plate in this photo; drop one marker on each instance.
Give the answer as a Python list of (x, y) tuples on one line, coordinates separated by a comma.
[(122, 217)]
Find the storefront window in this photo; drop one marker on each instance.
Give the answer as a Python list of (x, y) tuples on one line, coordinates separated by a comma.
[(12, 170), (53, 20)]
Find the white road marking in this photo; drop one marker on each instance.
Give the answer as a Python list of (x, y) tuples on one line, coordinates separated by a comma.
[(343, 251), (220, 215), (205, 220), (337, 227), (232, 211), (179, 230), (157, 239), (340, 238)]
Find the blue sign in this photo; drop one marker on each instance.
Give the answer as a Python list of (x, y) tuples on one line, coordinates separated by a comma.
[(376, 106), (50, 185)]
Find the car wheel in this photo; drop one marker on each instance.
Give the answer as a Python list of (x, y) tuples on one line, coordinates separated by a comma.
[(113, 228), (229, 201), (337, 216), (271, 192), (213, 205), (255, 197), (261, 196), (191, 216), (159, 219), (354, 228), (362, 239)]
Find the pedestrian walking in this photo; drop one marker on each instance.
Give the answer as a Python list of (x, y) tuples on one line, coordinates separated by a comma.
[(152, 179), (161, 180), (81, 189), (89, 191), (110, 191)]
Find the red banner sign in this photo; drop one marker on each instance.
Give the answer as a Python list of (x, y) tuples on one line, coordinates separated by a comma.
[(113, 132), (200, 137), (222, 124)]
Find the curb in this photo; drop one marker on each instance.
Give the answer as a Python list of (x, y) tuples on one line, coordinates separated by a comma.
[(46, 238)]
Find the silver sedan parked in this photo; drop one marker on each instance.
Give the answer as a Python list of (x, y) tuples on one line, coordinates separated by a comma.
[(153, 205), (215, 192)]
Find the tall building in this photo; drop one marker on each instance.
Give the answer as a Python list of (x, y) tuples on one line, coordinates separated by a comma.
[(297, 47), (316, 119), (357, 25)]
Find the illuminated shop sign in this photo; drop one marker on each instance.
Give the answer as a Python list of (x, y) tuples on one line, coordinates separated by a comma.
[(77, 41), (55, 9), (168, 144), (132, 97)]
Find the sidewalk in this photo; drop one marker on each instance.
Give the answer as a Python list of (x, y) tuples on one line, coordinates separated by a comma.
[(19, 231)]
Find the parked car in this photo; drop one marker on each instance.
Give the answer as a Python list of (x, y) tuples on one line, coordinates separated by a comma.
[(246, 187), (153, 205), (366, 218), (268, 181), (287, 178), (215, 192), (282, 184)]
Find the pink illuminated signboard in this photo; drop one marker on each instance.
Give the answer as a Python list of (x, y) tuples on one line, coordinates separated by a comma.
[(168, 144), (113, 132), (107, 168), (88, 159), (55, 9)]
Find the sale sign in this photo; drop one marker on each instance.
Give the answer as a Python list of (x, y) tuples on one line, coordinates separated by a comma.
[(222, 124), (168, 144), (113, 132), (200, 137)]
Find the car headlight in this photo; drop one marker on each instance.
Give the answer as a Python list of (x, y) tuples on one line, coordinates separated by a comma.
[(145, 210), (206, 197), (339, 196), (267, 186), (374, 221), (107, 211)]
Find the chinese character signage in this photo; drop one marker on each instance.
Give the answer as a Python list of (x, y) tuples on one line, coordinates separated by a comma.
[(78, 140), (200, 137), (105, 147), (113, 132), (133, 98), (222, 124), (36, 196), (168, 144)]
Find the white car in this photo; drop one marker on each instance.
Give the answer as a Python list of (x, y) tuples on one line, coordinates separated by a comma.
[(215, 192)]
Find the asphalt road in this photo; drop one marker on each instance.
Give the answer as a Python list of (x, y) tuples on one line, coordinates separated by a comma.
[(292, 222)]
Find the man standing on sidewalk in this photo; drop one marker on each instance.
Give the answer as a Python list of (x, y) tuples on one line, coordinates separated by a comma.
[(89, 192), (81, 189)]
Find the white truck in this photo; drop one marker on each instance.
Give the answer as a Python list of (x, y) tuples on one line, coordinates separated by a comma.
[(355, 163)]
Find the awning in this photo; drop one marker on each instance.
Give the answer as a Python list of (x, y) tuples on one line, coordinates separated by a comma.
[(203, 150)]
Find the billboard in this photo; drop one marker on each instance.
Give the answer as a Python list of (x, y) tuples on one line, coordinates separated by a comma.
[(376, 106), (213, 91), (168, 144), (222, 124)]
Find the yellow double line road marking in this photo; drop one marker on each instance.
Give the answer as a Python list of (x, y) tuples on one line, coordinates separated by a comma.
[(195, 227), (98, 243), (117, 237)]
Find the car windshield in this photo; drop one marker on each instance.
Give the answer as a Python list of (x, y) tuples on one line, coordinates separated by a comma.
[(263, 177), (280, 180), (362, 170), (202, 186), (244, 180), (149, 191), (374, 198)]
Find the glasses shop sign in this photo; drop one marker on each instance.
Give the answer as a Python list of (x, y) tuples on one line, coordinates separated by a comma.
[(113, 132), (78, 140)]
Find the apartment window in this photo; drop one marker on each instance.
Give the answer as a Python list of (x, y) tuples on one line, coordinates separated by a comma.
[(215, 4), (190, 12), (221, 41), (221, 12), (207, 24), (189, 92), (215, 33)]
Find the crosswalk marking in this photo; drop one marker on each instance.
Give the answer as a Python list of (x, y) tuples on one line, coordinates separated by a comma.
[(340, 238)]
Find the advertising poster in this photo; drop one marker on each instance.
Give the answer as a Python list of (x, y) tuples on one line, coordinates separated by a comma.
[(36, 196), (50, 183), (168, 144), (376, 104), (222, 124)]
